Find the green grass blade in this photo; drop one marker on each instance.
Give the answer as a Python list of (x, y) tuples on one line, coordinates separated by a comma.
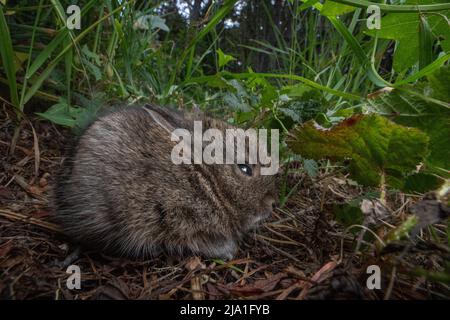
[(356, 48), (30, 52), (436, 64), (426, 40), (7, 54), (45, 54), (46, 73), (397, 8), (220, 14), (248, 75)]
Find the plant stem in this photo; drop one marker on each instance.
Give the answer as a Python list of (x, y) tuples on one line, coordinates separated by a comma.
[(397, 8)]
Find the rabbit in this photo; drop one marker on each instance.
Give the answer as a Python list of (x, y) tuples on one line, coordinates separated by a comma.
[(120, 193)]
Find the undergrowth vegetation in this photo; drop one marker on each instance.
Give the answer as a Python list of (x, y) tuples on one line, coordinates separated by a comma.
[(371, 103)]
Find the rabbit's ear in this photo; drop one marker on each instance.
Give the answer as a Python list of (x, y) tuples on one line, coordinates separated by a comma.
[(159, 119)]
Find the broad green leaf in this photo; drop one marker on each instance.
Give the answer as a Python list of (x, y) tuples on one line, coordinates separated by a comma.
[(62, 113), (429, 117), (375, 145), (404, 28), (331, 8), (224, 58), (422, 182)]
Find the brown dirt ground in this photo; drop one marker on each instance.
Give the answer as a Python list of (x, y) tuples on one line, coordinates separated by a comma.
[(300, 253)]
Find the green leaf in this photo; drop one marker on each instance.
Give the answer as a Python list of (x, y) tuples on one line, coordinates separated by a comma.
[(7, 55), (405, 29), (235, 103), (429, 117), (425, 43), (150, 22), (311, 167), (93, 69), (402, 231), (331, 8), (353, 43), (290, 113), (348, 214), (224, 58), (374, 144), (158, 23), (260, 76), (61, 113), (422, 182), (91, 55)]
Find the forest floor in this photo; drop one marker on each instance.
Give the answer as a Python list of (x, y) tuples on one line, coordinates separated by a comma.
[(301, 252)]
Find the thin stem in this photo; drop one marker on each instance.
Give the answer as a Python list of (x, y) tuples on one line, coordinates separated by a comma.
[(397, 8)]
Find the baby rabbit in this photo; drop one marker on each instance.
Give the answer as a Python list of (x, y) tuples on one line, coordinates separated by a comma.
[(120, 192)]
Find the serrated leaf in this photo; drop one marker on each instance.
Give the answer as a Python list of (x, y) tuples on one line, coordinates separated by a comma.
[(374, 144), (311, 167), (231, 100), (62, 113), (290, 113), (93, 69), (422, 182), (89, 54)]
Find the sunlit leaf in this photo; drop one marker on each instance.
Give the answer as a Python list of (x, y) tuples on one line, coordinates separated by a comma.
[(224, 58), (331, 8), (375, 145)]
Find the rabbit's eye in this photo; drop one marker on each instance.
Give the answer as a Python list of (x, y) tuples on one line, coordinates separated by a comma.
[(245, 169)]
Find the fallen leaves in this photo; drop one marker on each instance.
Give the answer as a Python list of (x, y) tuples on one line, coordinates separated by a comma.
[(258, 287)]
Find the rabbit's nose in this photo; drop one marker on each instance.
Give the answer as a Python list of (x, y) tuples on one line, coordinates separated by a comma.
[(275, 204), (271, 202)]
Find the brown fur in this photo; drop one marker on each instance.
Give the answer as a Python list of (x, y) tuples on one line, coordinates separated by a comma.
[(120, 192)]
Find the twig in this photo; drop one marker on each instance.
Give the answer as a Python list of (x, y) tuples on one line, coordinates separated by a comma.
[(24, 218)]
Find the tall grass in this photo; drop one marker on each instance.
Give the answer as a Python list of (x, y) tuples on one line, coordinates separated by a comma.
[(126, 51)]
